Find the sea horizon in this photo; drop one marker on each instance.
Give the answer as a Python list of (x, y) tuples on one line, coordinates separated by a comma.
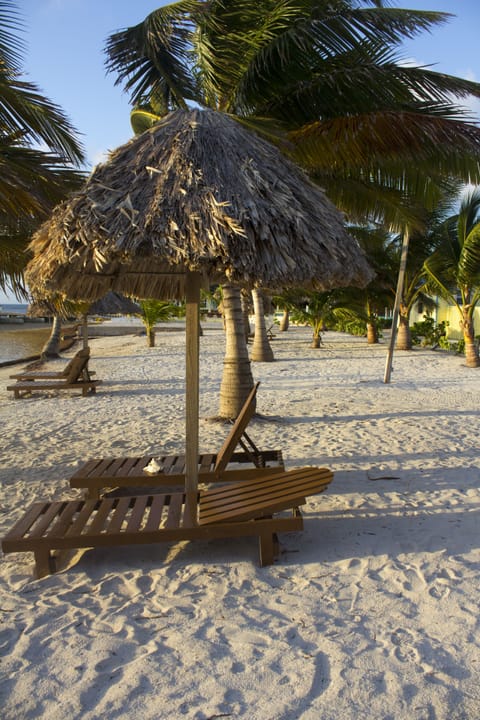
[(20, 340)]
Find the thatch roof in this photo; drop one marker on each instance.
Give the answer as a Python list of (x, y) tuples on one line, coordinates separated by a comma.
[(196, 192), (114, 304)]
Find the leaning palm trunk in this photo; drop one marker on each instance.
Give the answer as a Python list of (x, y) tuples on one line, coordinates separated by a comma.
[(372, 333), (237, 379), (404, 337), (51, 349), (261, 350), (245, 313), (471, 350)]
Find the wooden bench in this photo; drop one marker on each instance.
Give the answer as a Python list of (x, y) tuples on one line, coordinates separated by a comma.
[(249, 508), (77, 378), (24, 388), (54, 374)]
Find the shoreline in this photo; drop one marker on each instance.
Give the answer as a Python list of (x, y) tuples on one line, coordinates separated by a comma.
[(372, 607)]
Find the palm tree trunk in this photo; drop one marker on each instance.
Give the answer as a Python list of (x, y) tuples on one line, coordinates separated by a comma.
[(285, 321), (51, 349), (151, 336), (261, 350), (237, 378), (245, 313), (471, 350), (316, 340), (404, 337), (372, 333)]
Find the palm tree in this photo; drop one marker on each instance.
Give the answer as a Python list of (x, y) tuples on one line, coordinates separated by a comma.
[(237, 376), (32, 180), (454, 267), (154, 311), (261, 350), (322, 80), (314, 309)]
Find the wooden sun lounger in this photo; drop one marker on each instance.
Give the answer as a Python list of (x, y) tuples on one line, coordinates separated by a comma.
[(77, 378), (101, 473), (52, 374), (249, 508)]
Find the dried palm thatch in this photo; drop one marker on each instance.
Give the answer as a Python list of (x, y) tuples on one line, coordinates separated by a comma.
[(114, 304), (197, 192)]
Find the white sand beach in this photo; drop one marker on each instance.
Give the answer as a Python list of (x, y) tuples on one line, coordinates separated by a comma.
[(371, 612)]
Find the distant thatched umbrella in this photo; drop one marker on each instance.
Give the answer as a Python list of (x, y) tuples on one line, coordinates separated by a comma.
[(197, 196), (114, 304)]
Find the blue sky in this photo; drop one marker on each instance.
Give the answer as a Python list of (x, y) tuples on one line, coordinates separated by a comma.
[(64, 57)]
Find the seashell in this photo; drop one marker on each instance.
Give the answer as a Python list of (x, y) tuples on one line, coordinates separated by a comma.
[(153, 467)]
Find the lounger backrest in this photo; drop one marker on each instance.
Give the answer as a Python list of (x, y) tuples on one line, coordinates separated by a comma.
[(237, 430), (81, 353), (78, 365)]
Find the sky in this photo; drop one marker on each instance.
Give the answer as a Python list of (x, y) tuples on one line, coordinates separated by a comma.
[(64, 56)]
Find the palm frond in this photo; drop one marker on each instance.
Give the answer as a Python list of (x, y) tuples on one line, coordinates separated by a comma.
[(155, 56), (443, 145)]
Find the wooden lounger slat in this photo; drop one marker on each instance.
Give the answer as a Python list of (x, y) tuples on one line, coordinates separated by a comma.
[(136, 467), (118, 515), (174, 511), (168, 462), (100, 467), (85, 470), (155, 513), (31, 515), (100, 519), (207, 461), (78, 525), (46, 519), (137, 513), (115, 466), (123, 468), (178, 467), (64, 519)]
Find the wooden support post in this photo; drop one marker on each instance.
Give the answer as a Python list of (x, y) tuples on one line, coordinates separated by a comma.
[(192, 387)]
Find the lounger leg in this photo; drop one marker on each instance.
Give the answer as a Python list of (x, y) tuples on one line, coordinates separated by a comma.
[(92, 494), (276, 545), (266, 547), (44, 563)]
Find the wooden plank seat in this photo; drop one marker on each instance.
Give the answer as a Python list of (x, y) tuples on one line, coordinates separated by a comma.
[(97, 474), (37, 374), (77, 378), (261, 507)]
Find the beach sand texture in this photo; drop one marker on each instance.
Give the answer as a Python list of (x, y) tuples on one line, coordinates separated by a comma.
[(371, 612)]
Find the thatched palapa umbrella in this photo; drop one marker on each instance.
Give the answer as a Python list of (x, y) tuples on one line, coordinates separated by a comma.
[(114, 304), (197, 197)]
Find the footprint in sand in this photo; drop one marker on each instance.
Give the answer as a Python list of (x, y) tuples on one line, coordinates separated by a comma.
[(404, 650)]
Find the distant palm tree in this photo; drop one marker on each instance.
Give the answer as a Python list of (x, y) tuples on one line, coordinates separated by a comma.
[(261, 349), (315, 310), (152, 312), (454, 267), (32, 180)]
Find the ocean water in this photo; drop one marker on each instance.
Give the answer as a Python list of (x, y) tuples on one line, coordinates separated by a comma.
[(20, 340)]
